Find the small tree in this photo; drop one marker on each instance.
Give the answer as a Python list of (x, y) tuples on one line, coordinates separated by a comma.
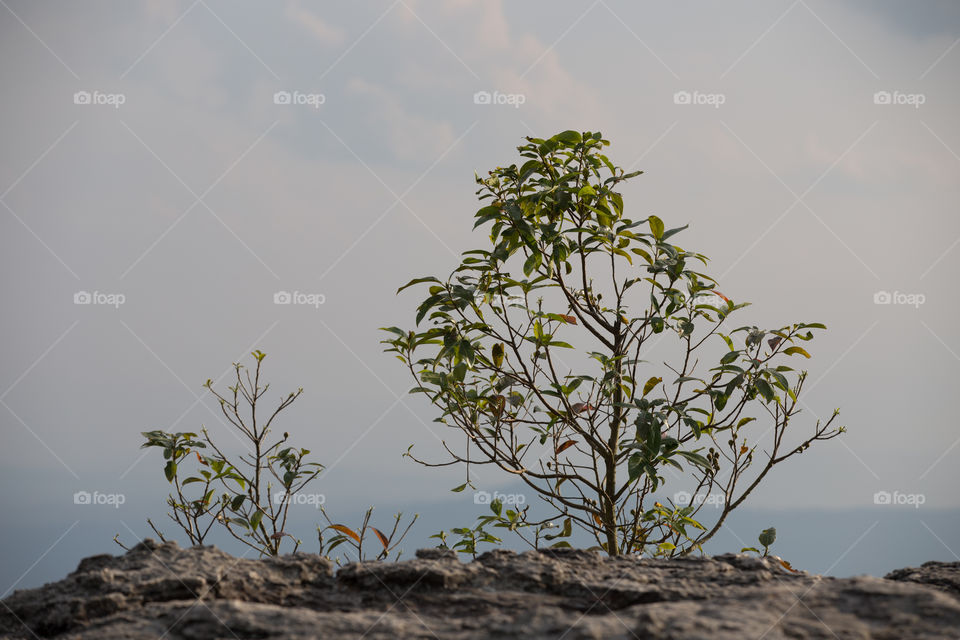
[(249, 496), (595, 438)]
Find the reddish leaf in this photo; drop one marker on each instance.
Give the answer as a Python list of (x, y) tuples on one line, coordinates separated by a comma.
[(383, 538), (566, 445), (202, 461), (580, 407), (786, 565), (720, 294), (347, 530), (569, 319)]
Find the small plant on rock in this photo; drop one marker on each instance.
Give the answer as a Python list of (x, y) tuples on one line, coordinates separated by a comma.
[(250, 495), (339, 534)]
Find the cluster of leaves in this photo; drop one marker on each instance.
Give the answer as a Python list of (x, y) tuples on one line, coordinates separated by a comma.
[(534, 534), (594, 441)]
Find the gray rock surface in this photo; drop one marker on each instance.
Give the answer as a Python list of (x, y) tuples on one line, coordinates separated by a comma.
[(163, 591)]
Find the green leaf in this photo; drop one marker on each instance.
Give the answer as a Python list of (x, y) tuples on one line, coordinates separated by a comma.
[(426, 305), (569, 137), (563, 533), (673, 231), (417, 281), (498, 355), (460, 488), (768, 536), (792, 350), (696, 459), (532, 263), (656, 227), (170, 470), (635, 466), (651, 383), (255, 520), (729, 357), (237, 502), (642, 253), (764, 388)]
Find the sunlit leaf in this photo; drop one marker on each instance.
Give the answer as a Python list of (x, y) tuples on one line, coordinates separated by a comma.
[(381, 537), (792, 350), (566, 445), (651, 383), (346, 530)]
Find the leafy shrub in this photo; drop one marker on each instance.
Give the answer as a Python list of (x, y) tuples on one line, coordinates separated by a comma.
[(237, 494), (249, 495), (514, 520), (593, 437)]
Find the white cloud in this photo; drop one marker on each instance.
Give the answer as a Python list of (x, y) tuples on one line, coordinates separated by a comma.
[(411, 137), (326, 33)]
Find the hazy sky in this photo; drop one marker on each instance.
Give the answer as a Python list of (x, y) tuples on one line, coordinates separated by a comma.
[(148, 153)]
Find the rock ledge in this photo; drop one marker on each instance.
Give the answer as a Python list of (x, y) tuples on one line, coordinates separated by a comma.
[(160, 590)]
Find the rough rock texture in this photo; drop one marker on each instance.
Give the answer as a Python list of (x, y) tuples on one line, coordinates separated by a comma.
[(160, 590)]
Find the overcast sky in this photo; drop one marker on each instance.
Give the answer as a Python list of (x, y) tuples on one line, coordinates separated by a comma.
[(150, 157)]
